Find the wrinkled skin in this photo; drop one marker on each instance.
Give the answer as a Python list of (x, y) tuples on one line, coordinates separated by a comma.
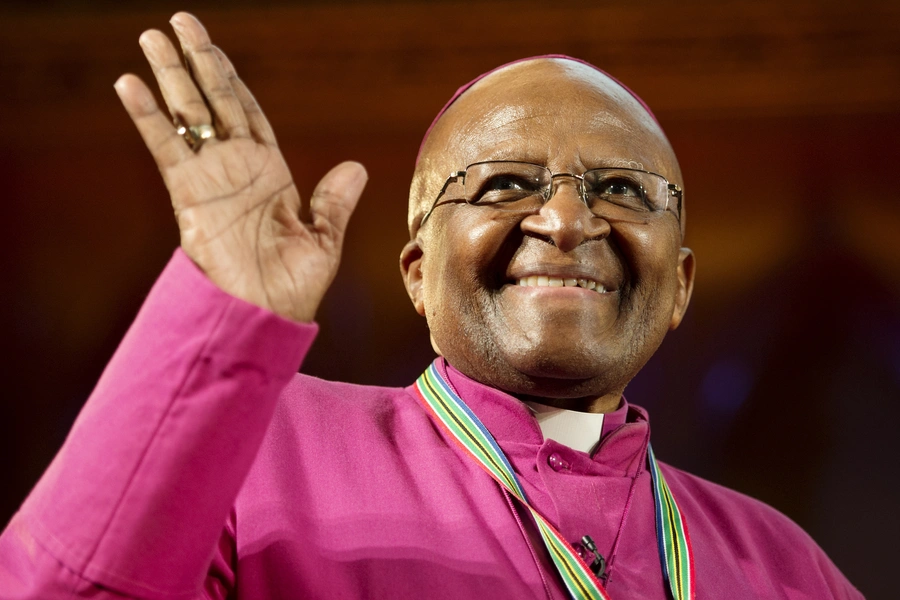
[(235, 201), (239, 214), (570, 347)]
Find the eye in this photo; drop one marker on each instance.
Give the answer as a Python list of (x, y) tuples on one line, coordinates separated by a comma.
[(506, 182), (619, 189), (504, 187)]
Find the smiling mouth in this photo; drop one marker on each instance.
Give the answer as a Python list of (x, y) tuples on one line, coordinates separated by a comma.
[(547, 281)]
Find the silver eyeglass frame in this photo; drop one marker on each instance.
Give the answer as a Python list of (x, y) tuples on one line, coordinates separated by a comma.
[(674, 190)]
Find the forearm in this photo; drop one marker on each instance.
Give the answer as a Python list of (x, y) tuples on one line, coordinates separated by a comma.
[(136, 499)]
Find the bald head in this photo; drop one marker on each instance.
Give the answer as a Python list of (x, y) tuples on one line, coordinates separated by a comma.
[(571, 93), (483, 277)]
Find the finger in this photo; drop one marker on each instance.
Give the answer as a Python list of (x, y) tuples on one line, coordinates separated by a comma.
[(210, 75), (259, 125), (157, 131), (334, 199), (178, 89)]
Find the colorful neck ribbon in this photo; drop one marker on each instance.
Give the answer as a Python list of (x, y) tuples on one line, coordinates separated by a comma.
[(473, 438)]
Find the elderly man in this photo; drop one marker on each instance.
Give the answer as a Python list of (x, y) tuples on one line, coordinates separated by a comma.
[(546, 221)]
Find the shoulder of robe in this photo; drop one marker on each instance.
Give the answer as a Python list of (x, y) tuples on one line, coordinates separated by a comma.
[(727, 507), (309, 402), (749, 528)]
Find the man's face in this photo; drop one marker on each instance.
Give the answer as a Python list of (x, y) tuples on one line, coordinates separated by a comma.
[(465, 268)]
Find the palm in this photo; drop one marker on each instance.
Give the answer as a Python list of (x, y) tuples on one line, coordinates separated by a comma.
[(235, 201), (237, 210)]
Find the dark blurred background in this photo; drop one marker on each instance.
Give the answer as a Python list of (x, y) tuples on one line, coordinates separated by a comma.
[(784, 380)]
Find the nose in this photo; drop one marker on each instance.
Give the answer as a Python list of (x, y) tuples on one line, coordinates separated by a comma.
[(565, 218)]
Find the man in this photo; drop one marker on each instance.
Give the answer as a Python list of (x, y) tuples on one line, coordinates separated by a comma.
[(546, 222)]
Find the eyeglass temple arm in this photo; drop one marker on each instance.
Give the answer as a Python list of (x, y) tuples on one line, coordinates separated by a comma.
[(676, 191), (453, 175)]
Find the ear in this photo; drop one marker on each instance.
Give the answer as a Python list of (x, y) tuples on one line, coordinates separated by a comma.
[(685, 271), (411, 271)]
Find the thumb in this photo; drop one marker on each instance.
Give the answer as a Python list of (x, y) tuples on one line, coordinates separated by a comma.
[(334, 199)]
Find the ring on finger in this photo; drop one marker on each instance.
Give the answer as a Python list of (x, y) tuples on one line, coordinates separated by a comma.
[(196, 135)]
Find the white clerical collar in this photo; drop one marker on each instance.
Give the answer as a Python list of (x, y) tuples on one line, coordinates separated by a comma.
[(577, 430)]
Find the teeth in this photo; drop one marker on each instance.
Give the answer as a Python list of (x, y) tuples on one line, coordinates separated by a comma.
[(547, 281)]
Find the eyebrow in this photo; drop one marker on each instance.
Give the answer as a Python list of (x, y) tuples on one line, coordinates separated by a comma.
[(610, 120), (620, 163)]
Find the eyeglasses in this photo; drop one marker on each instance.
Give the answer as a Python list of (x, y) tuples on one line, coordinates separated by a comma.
[(523, 187)]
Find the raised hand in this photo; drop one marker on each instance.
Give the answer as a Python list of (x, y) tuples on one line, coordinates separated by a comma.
[(237, 207)]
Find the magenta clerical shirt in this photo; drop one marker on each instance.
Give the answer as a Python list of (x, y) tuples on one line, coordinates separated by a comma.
[(203, 466)]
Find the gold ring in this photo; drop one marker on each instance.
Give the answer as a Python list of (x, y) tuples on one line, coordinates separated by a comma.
[(195, 135)]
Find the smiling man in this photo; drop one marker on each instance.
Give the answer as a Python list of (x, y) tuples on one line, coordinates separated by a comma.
[(491, 285), (546, 221)]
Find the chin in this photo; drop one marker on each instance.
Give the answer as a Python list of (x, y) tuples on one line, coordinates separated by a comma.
[(567, 375), (549, 366)]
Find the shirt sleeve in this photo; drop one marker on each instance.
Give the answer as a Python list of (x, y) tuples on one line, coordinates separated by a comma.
[(135, 501)]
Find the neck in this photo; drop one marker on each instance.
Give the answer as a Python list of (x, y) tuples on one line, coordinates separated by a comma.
[(589, 404)]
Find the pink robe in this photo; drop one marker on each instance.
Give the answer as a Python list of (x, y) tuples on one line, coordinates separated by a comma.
[(332, 490)]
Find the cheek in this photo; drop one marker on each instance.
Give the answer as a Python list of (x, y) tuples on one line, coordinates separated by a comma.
[(445, 268), (650, 253), (462, 268), (651, 258), (467, 250)]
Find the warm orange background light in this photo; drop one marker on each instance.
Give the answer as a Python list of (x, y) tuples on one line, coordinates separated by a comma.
[(783, 382)]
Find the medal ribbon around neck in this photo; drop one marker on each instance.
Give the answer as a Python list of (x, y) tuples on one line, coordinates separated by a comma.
[(473, 438)]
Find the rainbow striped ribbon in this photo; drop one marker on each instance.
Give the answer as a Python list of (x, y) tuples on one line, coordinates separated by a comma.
[(475, 440), (675, 552)]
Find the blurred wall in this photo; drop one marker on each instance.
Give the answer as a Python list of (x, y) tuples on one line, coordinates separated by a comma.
[(783, 381)]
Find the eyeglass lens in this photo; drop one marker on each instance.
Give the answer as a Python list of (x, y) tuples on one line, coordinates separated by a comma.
[(523, 186)]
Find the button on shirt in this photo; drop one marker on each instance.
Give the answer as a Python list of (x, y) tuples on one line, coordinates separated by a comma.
[(580, 494)]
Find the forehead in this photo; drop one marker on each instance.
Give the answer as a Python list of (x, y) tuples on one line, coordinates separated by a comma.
[(555, 112)]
